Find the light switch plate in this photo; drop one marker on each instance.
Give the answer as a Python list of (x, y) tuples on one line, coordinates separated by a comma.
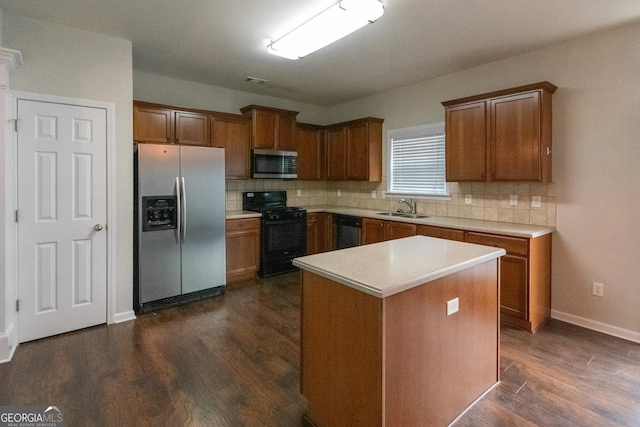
[(467, 199), (453, 306), (298, 193), (373, 194)]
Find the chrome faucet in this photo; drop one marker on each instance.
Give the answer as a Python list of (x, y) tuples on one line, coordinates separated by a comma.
[(411, 203)]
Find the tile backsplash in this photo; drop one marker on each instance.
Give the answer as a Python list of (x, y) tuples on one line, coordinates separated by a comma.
[(488, 201)]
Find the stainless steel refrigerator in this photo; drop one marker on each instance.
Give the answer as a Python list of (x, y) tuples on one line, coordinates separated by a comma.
[(179, 224)]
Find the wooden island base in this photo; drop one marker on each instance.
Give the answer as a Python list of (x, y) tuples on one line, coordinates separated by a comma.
[(400, 360)]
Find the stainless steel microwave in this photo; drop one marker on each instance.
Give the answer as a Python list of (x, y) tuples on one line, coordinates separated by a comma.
[(267, 164)]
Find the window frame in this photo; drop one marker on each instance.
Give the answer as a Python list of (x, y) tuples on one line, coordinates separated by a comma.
[(408, 132)]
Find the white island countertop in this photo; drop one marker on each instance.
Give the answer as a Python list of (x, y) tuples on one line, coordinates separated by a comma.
[(386, 268)]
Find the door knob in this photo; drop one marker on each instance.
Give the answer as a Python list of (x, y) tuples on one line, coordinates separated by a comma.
[(97, 227)]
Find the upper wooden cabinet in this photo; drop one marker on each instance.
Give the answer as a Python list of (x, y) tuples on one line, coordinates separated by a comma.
[(233, 133), (310, 144), (354, 150), (153, 124), (271, 127), (500, 136), (161, 124), (336, 159)]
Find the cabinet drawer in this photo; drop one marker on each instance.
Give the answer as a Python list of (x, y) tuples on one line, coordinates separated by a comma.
[(441, 233), (242, 224), (512, 245)]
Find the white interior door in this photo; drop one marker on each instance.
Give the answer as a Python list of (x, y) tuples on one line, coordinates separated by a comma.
[(62, 189)]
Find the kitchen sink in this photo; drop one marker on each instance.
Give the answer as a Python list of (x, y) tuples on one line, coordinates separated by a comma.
[(403, 214), (410, 215)]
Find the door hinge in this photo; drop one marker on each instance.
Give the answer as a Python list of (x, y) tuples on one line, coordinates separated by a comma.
[(17, 305), (15, 124), (17, 215)]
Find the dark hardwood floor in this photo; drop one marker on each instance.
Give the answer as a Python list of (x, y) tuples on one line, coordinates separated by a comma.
[(234, 361)]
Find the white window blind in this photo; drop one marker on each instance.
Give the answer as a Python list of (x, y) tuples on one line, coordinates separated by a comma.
[(416, 160)]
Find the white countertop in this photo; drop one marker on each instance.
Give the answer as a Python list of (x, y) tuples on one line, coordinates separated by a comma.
[(386, 268), (242, 214), (492, 227)]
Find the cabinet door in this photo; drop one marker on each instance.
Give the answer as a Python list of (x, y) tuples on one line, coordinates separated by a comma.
[(513, 286), (192, 128), (264, 129), (466, 142), (357, 152), (372, 230), (311, 153), (153, 125), (286, 131), (514, 138), (243, 248), (440, 233), (336, 162), (233, 133), (398, 230), (317, 233)]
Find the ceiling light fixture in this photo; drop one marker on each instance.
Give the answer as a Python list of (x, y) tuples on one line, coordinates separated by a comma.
[(336, 21)]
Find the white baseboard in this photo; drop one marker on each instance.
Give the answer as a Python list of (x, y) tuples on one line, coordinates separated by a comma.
[(8, 344), (594, 325), (125, 316)]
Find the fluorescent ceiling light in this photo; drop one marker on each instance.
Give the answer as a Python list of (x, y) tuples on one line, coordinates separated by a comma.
[(338, 20)]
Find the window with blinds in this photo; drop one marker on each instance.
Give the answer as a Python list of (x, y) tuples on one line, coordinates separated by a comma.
[(416, 161)]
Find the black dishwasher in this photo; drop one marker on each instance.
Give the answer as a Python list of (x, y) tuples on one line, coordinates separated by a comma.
[(346, 231)]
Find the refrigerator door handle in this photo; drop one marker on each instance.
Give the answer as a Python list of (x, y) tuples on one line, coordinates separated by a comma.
[(184, 210), (178, 232)]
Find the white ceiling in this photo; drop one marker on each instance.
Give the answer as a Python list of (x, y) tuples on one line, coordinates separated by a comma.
[(221, 42)]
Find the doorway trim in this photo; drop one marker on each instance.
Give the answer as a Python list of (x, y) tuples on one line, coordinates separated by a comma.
[(109, 107)]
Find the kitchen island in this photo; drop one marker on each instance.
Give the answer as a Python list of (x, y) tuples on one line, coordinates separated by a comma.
[(382, 341)]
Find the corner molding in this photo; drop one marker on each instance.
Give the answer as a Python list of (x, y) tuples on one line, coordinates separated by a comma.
[(594, 325), (11, 57)]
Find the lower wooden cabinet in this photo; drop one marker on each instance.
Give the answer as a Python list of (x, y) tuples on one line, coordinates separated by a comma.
[(243, 248), (440, 233), (378, 230), (525, 278), (318, 232)]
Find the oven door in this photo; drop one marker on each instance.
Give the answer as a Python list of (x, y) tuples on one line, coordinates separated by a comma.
[(284, 239)]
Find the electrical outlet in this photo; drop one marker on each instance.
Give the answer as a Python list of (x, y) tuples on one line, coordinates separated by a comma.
[(513, 200), (535, 201), (453, 306), (298, 193), (373, 194), (339, 193), (467, 199), (598, 289)]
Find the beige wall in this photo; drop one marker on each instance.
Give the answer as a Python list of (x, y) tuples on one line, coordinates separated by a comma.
[(595, 199), (169, 91), (596, 170), (596, 150), (63, 61)]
